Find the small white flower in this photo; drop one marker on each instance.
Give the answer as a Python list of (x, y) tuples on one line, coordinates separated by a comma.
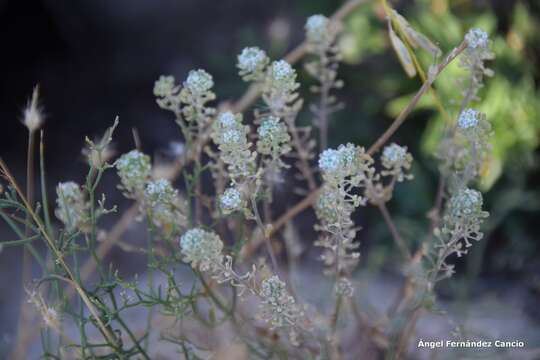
[(252, 59), (279, 308), (269, 127), (199, 81), (317, 28), (164, 86), (342, 159), (227, 119), (231, 200), (71, 206), (282, 71), (465, 203), (394, 154), (231, 136), (201, 248), (477, 38), (468, 119), (329, 160), (134, 170)]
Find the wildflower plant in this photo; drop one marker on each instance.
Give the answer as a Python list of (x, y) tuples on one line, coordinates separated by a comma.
[(204, 233)]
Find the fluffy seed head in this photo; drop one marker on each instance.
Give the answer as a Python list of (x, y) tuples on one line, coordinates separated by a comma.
[(33, 115)]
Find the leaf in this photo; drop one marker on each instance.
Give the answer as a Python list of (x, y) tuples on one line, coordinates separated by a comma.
[(416, 38), (402, 52)]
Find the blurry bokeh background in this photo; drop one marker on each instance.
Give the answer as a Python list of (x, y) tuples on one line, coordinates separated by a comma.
[(95, 60)]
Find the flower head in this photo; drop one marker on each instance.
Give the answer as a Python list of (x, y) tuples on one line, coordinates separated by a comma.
[(201, 248), (317, 28), (71, 207), (279, 308), (199, 82), (134, 171), (466, 203), (164, 206), (468, 119), (227, 119), (396, 160), (273, 137), (477, 38), (231, 200), (340, 162), (164, 86), (252, 61)]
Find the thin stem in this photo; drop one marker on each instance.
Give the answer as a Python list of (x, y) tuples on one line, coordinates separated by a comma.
[(394, 231)]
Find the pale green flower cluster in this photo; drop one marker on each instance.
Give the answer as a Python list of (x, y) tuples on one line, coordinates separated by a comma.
[(134, 170), (71, 207), (167, 94), (195, 93), (252, 63), (231, 201), (462, 220), (474, 56), (202, 249), (343, 169), (278, 307), (273, 137), (397, 162), (230, 135), (164, 206), (347, 161)]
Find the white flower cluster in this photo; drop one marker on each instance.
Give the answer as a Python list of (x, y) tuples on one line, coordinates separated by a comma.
[(345, 161), (468, 119), (343, 170), (279, 88), (252, 63), (278, 307), (231, 200), (198, 82), (71, 206), (134, 170), (474, 56), (202, 249), (461, 222), (477, 38), (318, 30), (164, 206), (230, 135), (167, 93), (465, 203), (273, 137), (196, 92), (397, 162)]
